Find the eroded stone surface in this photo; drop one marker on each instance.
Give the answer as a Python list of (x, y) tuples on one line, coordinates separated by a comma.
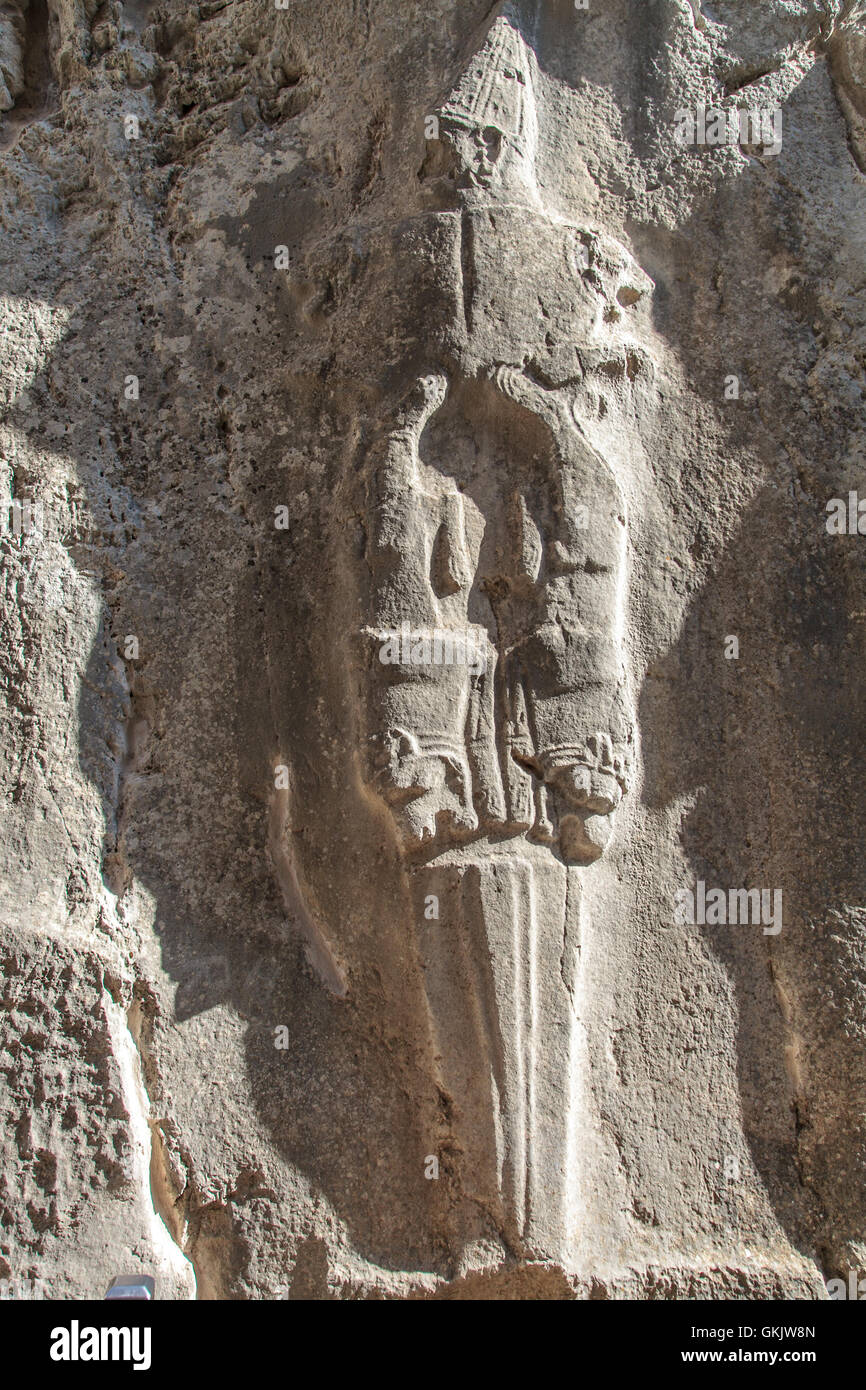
[(338, 331)]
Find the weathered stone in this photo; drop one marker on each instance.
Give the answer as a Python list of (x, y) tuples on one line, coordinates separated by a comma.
[(419, 432)]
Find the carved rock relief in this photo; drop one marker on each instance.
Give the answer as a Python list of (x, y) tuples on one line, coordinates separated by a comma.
[(491, 518), (518, 547), (498, 724)]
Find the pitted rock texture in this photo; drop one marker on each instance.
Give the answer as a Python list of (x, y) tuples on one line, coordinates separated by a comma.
[(336, 338)]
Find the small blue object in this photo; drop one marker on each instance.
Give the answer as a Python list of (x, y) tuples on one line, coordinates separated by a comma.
[(134, 1286)]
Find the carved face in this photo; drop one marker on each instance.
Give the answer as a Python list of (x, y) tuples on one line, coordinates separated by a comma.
[(488, 160), (479, 152)]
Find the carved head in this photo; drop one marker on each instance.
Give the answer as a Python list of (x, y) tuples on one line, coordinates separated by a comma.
[(489, 120)]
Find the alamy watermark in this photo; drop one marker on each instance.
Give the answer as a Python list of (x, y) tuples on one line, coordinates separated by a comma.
[(433, 647), (27, 517), (846, 518), (23, 516), (77, 1343), (714, 907), (27, 1289), (714, 127), (854, 1289)]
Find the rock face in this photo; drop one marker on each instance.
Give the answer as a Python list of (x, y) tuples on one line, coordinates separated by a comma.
[(432, 638)]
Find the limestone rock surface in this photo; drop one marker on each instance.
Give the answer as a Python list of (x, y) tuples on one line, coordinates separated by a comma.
[(433, 647)]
